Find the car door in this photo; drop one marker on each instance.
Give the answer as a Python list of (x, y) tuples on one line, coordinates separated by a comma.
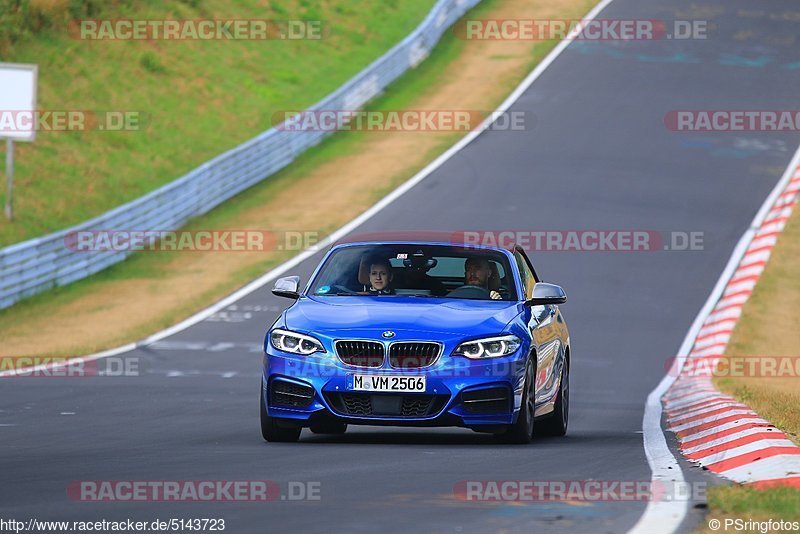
[(546, 327)]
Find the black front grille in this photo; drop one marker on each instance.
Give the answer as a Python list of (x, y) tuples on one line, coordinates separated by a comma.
[(357, 404), (290, 394), (360, 353), (487, 400), (408, 355), (366, 404), (416, 406)]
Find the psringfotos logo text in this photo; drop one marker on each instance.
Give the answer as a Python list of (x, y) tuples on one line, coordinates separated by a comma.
[(740, 524)]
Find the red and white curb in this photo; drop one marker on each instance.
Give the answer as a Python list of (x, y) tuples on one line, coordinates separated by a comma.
[(714, 430)]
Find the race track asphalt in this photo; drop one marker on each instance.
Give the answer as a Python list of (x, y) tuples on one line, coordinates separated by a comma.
[(598, 157)]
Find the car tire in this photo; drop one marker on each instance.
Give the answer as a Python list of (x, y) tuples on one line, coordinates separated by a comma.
[(328, 427), (556, 424), (521, 432), (271, 429)]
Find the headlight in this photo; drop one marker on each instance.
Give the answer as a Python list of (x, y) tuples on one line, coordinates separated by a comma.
[(490, 347), (293, 342)]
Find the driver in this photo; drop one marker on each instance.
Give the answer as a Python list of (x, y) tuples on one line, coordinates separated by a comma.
[(380, 276), (477, 272)]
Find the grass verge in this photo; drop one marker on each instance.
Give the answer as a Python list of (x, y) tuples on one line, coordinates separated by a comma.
[(736, 505)]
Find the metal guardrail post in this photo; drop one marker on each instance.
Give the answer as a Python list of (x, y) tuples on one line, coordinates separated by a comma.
[(9, 208)]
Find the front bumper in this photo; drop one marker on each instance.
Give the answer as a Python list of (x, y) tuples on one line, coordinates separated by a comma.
[(460, 392)]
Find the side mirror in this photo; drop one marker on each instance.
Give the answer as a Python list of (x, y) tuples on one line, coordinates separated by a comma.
[(288, 286), (544, 294)]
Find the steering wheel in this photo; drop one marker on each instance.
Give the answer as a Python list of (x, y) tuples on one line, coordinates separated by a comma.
[(469, 292)]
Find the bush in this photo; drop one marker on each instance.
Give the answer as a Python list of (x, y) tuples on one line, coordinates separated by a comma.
[(150, 63)]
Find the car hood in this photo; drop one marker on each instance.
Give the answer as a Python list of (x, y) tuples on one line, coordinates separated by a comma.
[(370, 316)]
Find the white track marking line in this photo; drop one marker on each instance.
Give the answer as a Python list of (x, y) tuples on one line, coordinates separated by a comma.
[(731, 437), (714, 340), (711, 351), (720, 405), (727, 426), (673, 413), (723, 323), (686, 386), (771, 468), (693, 404), (688, 400), (727, 454), (679, 415), (691, 424), (758, 256)]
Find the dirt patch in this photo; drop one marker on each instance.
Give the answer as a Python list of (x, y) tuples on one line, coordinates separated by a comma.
[(109, 314)]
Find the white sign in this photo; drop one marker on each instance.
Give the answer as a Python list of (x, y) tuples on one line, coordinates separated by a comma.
[(17, 94)]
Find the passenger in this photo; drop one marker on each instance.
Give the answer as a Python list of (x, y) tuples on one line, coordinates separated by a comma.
[(477, 272), (380, 277)]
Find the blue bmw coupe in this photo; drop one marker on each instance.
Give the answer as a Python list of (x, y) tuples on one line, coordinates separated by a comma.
[(418, 333)]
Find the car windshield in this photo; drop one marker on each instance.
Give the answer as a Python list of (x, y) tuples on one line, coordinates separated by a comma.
[(416, 270)]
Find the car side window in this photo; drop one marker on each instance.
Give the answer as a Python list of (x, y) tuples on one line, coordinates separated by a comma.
[(528, 279)]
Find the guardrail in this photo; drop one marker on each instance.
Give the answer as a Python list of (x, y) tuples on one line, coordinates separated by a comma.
[(39, 264)]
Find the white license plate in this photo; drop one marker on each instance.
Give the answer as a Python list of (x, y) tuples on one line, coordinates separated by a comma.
[(386, 383)]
